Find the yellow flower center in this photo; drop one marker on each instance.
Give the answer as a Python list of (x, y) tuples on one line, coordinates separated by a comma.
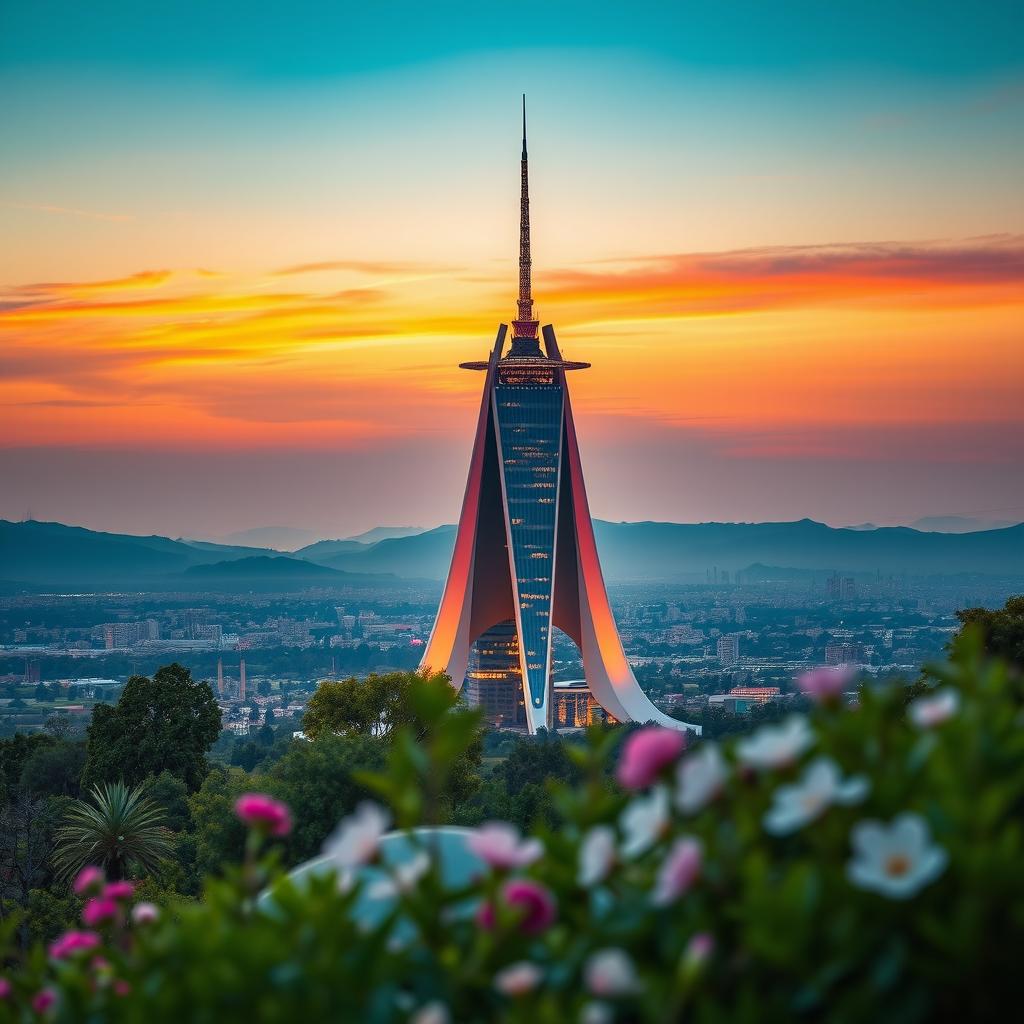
[(897, 865)]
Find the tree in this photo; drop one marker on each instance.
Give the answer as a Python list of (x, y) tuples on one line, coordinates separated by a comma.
[(14, 752), (26, 839), (54, 770), (121, 831), (374, 706), (1002, 629), (167, 723)]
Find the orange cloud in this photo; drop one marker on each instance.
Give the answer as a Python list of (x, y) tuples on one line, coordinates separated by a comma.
[(774, 343)]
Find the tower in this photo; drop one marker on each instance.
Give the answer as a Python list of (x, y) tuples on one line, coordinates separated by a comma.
[(220, 677), (241, 678), (525, 551)]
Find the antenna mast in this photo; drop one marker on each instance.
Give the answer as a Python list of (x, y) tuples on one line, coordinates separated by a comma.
[(524, 326)]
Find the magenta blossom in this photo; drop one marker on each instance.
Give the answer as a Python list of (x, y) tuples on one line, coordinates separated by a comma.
[(73, 942), (88, 879), (680, 869), (43, 1000), (646, 754), (119, 891), (535, 904), (499, 844), (122, 988), (5, 988), (264, 813), (98, 910), (825, 684)]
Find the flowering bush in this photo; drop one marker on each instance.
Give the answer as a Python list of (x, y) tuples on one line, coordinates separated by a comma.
[(864, 863)]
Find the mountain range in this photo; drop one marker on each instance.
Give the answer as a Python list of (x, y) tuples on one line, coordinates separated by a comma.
[(34, 554)]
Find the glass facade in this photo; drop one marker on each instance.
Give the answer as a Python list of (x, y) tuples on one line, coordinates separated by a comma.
[(528, 412), (494, 681)]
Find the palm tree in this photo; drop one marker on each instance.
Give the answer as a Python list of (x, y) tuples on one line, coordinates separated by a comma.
[(119, 830)]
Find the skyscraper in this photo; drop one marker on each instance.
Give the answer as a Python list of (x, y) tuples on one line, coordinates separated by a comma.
[(525, 551)]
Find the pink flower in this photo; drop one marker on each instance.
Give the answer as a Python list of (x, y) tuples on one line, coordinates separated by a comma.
[(98, 910), (73, 942), (121, 987), (5, 988), (535, 904), (119, 891), (145, 913), (43, 1000), (826, 683), (264, 813), (499, 844), (610, 973), (680, 869), (699, 949), (647, 753), (88, 879)]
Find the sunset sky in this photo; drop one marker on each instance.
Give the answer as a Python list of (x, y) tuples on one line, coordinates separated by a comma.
[(244, 246)]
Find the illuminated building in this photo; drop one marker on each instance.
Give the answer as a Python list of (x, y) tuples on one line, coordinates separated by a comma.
[(757, 694), (494, 681), (525, 550)]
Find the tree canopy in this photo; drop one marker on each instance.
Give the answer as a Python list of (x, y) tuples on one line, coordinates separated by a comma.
[(166, 723)]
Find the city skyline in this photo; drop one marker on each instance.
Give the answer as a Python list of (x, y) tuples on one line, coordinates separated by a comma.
[(795, 266)]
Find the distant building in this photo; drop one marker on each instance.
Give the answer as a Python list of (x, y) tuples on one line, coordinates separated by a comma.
[(844, 654), (728, 649), (757, 694)]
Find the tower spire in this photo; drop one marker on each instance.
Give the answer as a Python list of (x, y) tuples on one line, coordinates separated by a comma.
[(524, 327)]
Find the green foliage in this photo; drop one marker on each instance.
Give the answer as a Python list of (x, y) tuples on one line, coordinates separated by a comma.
[(376, 705), (1002, 629), (54, 769), (786, 930), (121, 830), (167, 723), (14, 752)]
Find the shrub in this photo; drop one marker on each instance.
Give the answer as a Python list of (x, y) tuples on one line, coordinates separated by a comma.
[(859, 863)]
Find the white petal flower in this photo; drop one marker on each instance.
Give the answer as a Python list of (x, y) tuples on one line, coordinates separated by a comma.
[(644, 821), (821, 786), (895, 860), (403, 878), (597, 855), (518, 979), (774, 746), (610, 973), (500, 845), (928, 712), (354, 842), (700, 778)]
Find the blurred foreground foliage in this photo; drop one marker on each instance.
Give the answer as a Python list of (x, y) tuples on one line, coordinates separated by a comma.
[(728, 887)]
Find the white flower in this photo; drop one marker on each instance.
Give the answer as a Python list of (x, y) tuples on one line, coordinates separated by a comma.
[(596, 1013), (403, 878), (928, 712), (774, 746), (895, 860), (518, 979), (354, 842), (431, 1013), (500, 845), (597, 855), (144, 913), (821, 786), (610, 973), (680, 869), (644, 821), (700, 778)]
